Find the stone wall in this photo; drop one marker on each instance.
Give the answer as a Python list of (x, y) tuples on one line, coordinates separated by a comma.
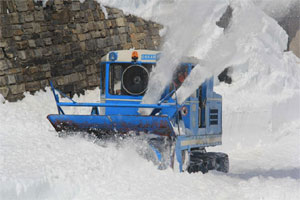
[(63, 42), (291, 24), (294, 45)]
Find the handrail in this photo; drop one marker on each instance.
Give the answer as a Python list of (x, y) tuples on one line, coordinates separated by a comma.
[(115, 105), (59, 104), (60, 92), (167, 96)]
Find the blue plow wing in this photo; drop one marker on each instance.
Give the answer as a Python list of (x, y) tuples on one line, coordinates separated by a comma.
[(110, 124)]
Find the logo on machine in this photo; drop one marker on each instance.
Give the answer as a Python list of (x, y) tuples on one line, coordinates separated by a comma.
[(148, 56)]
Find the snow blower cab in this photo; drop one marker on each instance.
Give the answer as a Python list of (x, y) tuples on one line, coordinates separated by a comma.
[(173, 131)]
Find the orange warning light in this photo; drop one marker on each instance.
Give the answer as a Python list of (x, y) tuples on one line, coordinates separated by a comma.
[(135, 55)]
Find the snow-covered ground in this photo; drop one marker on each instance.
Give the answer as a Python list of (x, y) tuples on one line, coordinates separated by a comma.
[(37, 164), (261, 134)]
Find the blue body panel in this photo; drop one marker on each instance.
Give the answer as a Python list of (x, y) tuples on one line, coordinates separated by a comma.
[(109, 124)]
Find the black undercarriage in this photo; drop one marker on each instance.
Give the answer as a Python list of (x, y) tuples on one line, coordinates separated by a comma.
[(204, 161)]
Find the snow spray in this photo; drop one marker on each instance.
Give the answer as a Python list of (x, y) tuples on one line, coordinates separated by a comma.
[(233, 48), (184, 24)]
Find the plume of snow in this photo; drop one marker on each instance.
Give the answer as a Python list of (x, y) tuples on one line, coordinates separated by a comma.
[(253, 39), (186, 21)]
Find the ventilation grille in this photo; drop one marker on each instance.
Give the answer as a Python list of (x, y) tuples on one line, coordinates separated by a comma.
[(213, 116)]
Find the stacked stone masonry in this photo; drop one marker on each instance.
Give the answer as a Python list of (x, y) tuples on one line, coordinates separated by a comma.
[(63, 42)]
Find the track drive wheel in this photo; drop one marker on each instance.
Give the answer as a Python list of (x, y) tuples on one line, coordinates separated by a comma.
[(222, 162), (203, 162)]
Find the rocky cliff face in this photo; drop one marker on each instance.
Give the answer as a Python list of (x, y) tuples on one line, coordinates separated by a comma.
[(291, 24), (63, 42)]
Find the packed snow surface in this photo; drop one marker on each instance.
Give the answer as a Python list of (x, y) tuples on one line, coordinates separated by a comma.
[(261, 126)]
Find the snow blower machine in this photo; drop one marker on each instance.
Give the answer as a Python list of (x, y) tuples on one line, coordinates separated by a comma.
[(173, 132)]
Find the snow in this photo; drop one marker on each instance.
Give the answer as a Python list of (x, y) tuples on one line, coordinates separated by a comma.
[(261, 127), (43, 2), (104, 11), (144, 8), (252, 38), (37, 164)]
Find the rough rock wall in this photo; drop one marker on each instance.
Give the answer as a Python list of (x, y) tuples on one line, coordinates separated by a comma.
[(295, 44), (63, 42), (291, 24)]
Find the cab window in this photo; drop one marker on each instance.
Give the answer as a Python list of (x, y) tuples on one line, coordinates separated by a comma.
[(102, 78)]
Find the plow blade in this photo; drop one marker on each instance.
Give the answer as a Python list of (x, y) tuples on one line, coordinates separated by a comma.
[(110, 124)]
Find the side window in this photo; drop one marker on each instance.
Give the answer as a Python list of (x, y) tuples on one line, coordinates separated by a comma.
[(180, 75), (102, 78), (115, 74)]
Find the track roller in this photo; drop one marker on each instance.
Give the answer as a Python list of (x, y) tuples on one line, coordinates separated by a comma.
[(203, 162)]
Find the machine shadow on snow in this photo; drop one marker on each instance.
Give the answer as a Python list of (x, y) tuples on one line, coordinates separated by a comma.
[(293, 173)]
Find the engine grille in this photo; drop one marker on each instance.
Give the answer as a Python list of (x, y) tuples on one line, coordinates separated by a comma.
[(213, 116)]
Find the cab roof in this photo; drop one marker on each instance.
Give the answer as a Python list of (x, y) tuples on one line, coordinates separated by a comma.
[(143, 56), (126, 56)]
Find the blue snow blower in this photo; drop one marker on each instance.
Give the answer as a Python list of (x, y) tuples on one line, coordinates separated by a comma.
[(173, 131)]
